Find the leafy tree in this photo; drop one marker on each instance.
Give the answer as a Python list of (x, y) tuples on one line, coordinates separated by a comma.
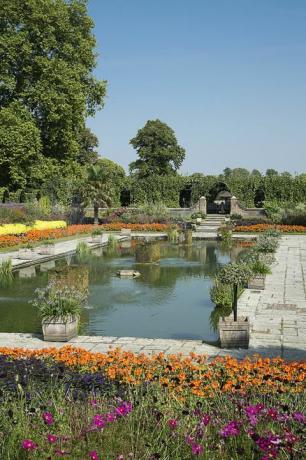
[(256, 172), (103, 184), (271, 172), (158, 150), (227, 172), (20, 147), (88, 144), (47, 58)]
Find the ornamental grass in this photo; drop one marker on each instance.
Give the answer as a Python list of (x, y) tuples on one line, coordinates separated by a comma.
[(258, 228), (80, 405)]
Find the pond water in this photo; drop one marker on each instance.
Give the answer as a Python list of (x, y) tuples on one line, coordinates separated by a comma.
[(170, 299)]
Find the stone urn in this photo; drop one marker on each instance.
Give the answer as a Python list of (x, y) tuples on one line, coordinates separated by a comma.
[(234, 334), (257, 283), (198, 220), (60, 329)]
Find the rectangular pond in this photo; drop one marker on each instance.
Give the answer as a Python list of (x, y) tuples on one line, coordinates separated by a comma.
[(170, 299)]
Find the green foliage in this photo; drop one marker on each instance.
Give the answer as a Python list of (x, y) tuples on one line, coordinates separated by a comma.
[(82, 250), (260, 268), (6, 273), (20, 146), (54, 303), (97, 232), (266, 243), (234, 274), (158, 150), (221, 294), (14, 216), (198, 215), (44, 205), (173, 235), (47, 58), (225, 234)]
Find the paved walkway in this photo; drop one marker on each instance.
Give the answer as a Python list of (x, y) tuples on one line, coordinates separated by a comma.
[(278, 313)]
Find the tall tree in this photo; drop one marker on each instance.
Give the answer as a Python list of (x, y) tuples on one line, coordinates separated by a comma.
[(47, 51), (158, 150), (271, 172), (20, 147)]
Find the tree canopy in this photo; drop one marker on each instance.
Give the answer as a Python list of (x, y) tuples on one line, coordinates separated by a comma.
[(47, 53), (158, 150)]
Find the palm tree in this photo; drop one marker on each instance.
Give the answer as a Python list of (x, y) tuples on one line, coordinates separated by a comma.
[(99, 190)]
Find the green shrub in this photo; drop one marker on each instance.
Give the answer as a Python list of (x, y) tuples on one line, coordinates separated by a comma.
[(266, 244), (260, 268), (54, 303), (221, 294), (14, 216), (198, 215)]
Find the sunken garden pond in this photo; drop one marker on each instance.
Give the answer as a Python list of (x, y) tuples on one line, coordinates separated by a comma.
[(170, 298)]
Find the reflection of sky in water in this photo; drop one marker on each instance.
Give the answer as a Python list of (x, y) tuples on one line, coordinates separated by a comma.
[(169, 300)]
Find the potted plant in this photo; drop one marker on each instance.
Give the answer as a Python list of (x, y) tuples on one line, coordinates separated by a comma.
[(47, 248), (234, 333), (27, 252), (60, 310), (96, 236), (259, 270)]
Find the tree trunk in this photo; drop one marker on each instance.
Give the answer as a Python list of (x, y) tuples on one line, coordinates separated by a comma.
[(96, 214), (235, 301)]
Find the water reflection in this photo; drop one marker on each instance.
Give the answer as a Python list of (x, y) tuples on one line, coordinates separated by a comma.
[(170, 299)]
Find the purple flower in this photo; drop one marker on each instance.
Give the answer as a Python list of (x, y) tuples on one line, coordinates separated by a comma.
[(52, 438), (110, 417), (48, 418), (272, 413), (205, 419), (269, 444), (28, 444), (196, 449), (124, 409), (252, 412), (299, 417), (93, 455), (231, 429), (93, 403), (98, 421), (172, 423), (189, 439)]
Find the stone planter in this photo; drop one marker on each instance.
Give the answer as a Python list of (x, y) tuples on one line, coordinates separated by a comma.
[(60, 330), (47, 250), (27, 254), (258, 282), (234, 334), (198, 220), (96, 239)]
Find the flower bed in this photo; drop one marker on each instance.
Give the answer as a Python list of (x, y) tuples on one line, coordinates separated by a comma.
[(82, 405), (17, 229), (56, 233), (263, 227)]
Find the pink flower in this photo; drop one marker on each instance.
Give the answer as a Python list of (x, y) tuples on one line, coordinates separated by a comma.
[(205, 419), (93, 455), (110, 417), (48, 418), (98, 421), (172, 423), (124, 409), (28, 444), (231, 429), (52, 438), (93, 403), (196, 449)]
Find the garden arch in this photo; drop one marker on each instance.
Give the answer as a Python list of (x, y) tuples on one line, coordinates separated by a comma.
[(219, 199)]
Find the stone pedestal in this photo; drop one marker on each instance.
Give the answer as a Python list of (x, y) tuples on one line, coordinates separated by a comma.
[(148, 253), (203, 205), (234, 334)]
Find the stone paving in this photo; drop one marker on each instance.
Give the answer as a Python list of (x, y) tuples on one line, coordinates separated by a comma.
[(278, 313)]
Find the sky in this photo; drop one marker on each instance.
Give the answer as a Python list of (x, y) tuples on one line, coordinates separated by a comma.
[(228, 76)]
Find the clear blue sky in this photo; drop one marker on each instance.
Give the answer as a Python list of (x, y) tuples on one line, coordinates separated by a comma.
[(229, 76)]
